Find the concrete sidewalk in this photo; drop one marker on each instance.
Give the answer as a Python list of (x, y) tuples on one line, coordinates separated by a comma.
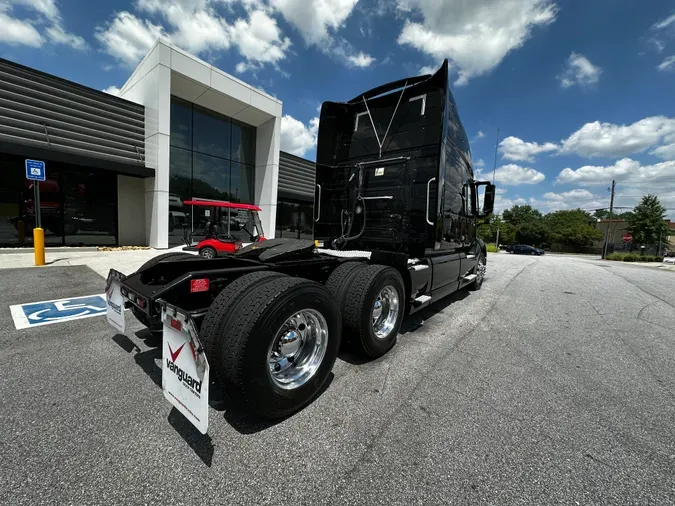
[(99, 261)]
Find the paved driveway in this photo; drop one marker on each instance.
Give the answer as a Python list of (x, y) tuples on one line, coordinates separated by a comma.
[(553, 384)]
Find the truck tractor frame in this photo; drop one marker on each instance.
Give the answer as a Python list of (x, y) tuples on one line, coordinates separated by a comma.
[(395, 230)]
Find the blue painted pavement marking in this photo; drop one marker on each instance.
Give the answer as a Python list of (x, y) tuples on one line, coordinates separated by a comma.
[(54, 311)]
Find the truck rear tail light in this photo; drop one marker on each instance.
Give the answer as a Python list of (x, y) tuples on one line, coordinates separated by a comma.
[(176, 324), (141, 302), (199, 285)]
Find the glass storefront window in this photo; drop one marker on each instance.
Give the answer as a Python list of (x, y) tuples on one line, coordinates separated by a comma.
[(294, 219), (211, 157), (181, 124), (89, 208), (211, 134), (78, 206), (241, 183), (243, 143)]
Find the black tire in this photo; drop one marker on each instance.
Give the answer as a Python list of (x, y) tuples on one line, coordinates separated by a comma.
[(340, 280), (358, 310), (208, 252), (243, 336), (155, 325), (478, 282), (222, 307)]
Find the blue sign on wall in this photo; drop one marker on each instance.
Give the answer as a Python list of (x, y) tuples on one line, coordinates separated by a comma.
[(35, 170), (54, 311)]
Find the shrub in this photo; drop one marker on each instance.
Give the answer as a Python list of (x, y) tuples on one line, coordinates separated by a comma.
[(616, 256), (492, 248), (630, 257), (648, 258), (658, 259)]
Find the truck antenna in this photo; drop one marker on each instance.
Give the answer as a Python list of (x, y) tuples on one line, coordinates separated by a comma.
[(494, 170)]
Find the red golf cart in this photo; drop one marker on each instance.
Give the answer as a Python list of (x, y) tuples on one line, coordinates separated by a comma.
[(229, 226)]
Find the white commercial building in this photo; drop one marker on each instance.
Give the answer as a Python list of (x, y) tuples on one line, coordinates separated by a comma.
[(166, 72)]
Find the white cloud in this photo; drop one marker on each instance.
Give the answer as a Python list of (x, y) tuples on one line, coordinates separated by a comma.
[(47, 8), (579, 71), (259, 39), (112, 90), (57, 35), (479, 164), (503, 203), (296, 138), (512, 175), (195, 26), (128, 38), (610, 140), (18, 32), (573, 199), (500, 191), (670, 20), (476, 35), (667, 152), (667, 64), (25, 31), (428, 69), (513, 148), (625, 170), (315, 19), (575, 195), (361, 60), (478, 136)]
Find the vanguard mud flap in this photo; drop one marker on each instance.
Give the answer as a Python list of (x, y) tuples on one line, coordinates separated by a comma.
[(185, 369)]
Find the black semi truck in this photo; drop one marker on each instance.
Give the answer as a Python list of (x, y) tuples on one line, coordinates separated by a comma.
[(396, 209)]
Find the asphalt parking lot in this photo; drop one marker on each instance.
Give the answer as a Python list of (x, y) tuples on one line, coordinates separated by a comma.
[(553, 384)]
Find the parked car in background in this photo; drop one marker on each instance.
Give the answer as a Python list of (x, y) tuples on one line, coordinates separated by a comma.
[(523, 249), (669, 258)]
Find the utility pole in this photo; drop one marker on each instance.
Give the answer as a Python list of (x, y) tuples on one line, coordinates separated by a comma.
[(609, 223), (497, 242)]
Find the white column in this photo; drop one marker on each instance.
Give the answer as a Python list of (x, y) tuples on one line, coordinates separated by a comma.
[(267, 172)]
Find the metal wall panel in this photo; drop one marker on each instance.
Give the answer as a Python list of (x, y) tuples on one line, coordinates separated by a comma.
[(296, 177), (49, 114)]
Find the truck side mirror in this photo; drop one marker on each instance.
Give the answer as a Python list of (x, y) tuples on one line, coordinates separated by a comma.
[(487, 198)]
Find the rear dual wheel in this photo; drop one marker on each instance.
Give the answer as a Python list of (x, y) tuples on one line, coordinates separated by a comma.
[(372, 303), (272, 341)]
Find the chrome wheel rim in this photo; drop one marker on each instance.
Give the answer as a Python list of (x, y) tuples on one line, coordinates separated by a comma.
[(298, 348), (207, 253), (480, 270), (385, 311)]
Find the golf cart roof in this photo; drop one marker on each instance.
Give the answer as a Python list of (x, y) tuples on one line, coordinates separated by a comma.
[(220, 203)]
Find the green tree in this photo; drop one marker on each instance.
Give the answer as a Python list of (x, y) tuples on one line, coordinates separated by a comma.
[(519, 215), (533, 233), (647, 223), (507, 234), (572, 227), (603, 214), (488, 231)]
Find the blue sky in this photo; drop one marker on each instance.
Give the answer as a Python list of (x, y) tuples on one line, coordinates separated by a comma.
[(582, 92)]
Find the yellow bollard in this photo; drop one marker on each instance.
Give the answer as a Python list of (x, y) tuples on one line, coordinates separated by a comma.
[(39, 245)]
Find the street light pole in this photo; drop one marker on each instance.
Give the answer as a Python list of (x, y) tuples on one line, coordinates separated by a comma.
[(609, 223)]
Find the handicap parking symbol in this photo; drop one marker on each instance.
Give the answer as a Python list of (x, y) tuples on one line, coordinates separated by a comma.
[(55, 311)]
